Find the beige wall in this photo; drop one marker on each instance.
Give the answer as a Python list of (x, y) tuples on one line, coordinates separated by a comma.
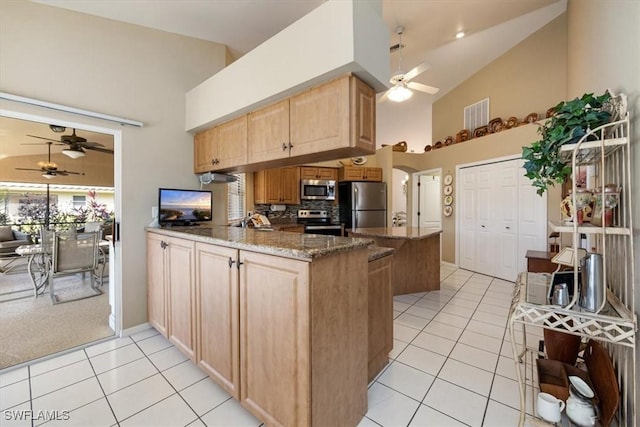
[(604, 42), (529, 78), (119, 69), (507, 143)]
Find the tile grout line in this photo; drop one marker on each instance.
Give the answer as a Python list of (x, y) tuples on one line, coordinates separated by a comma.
[(102, 389)]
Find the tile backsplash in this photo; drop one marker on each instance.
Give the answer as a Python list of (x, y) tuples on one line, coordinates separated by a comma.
[(291, 211)]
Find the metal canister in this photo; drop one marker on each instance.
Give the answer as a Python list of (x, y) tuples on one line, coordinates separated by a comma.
[(592, 289)]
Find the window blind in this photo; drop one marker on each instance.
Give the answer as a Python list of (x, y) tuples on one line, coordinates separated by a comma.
[(236, 196)]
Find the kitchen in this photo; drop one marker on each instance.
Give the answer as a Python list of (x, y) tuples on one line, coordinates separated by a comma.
[(137, 212)]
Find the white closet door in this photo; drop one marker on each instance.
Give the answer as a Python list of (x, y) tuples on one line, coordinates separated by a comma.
[(505, 225), (466, 195), (485, 212), (532, 219)]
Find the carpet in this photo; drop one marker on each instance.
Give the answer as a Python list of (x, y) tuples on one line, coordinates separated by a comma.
[(34, 327)]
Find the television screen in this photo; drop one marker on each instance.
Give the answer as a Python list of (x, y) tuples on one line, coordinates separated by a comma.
[(182, 207)]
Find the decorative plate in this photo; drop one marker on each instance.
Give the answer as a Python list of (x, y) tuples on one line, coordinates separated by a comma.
[(448, 190), (359, 160), (448, 210), (448, 200), (448, 179)]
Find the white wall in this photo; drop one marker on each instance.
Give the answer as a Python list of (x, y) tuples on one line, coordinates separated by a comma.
[(123, 70), (408, 121)]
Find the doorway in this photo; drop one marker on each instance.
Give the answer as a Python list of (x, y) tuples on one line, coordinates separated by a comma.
[(100, 312), (427, 199)]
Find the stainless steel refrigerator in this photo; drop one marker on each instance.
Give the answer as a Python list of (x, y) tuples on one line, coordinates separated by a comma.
[(363, 204)]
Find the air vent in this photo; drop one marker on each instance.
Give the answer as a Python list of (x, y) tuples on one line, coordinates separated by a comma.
[(476, 115)]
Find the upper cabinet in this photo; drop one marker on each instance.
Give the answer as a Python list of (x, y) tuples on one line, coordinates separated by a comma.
[(312, 172), (277, 186), (268, 130), (357, 173), (334, 120), (223, 147)]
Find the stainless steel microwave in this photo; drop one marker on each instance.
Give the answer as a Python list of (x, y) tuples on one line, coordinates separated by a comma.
[(317, 189)]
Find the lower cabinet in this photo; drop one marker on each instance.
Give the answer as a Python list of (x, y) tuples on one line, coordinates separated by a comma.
[(171, 290), (217, 305), (285, 337), (274, 339), (380, 315)]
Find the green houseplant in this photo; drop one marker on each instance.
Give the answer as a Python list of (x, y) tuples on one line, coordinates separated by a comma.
[(570, 121)]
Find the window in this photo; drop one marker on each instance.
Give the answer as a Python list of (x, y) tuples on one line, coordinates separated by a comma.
[(476, 115), (236, 198), (79, 201)]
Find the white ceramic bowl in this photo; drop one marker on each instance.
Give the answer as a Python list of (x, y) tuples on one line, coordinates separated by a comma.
[(581, 386)]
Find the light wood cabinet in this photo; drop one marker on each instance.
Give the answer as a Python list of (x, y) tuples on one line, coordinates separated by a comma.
[(275, 338), (358, 173), (171, 290), (336, 119), (336, 115), (310, 172), (380, 315), (268, 133), (277, 186), (223, 147), (217, 336)]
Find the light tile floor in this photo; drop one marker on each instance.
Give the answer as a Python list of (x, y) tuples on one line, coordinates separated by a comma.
[(451, 366)]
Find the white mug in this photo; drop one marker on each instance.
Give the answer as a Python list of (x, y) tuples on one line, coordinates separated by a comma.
[(549, 408)]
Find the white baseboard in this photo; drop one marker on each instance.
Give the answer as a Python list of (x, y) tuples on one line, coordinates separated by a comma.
[(135, 329)]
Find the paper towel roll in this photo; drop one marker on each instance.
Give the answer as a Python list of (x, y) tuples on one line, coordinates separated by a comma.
[(278, 208)]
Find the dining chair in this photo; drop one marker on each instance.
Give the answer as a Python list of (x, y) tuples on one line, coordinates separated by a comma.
[(103, 251), (74, 253)]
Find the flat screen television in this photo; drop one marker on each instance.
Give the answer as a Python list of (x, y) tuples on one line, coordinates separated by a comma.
[(184, 207)]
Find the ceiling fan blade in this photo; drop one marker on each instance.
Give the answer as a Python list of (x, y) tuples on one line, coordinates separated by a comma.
[(46, 139), (89, 144), (421, 68), (102, 150), (423, 88), (68, 173), (28, 169), (384, 96)]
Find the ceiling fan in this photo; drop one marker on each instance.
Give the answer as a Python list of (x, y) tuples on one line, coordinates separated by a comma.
[(77, 144), (401, 81), (49, 169)]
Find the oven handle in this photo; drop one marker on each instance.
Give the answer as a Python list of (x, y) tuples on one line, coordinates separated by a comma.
[(323, 227)]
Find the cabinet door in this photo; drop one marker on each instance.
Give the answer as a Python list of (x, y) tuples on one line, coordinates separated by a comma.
[(380, 307), (156, 300), (268, 133), (373, 174), (217, 315), (204, 151), (363, 115), (307, 172), (272, 184), (231, 139), (290, 185), (327, 173), (181, 294), (351, 173), (260, 187), (274, 339), (320, 118)]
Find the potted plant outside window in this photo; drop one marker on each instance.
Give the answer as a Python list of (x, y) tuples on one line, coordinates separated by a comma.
[(571, 120)]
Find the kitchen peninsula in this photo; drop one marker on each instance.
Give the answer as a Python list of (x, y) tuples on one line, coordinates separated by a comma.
[(278, 319), (416, 263)]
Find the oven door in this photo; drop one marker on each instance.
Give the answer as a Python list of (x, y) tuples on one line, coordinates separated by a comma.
[(329, 230), (317, 189)]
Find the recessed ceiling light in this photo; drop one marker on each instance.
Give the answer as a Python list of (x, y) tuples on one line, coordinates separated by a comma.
[(460, 34)]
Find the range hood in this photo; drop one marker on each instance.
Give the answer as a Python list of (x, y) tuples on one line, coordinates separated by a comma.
[(216, 178)]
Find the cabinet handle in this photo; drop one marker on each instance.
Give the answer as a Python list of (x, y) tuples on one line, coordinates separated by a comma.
[(482, 226), (239, 263), (163, 244), (284, 146), (508, 228), (290, 146), (213, 161), (231, 262)]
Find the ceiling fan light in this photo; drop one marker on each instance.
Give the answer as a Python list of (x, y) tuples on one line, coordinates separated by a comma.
[(400, 93), (48, 175), (74, 154), (460, 34)]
